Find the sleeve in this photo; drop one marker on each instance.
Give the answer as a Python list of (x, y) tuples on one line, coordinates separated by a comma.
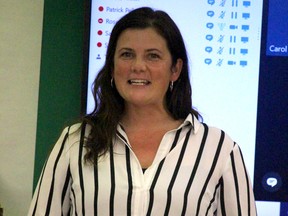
[(51, 196), (236, 192)]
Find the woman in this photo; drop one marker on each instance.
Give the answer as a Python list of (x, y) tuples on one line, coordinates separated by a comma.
[(143, 151)]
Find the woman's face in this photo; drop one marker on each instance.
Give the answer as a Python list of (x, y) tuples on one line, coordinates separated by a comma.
[(143, 67)]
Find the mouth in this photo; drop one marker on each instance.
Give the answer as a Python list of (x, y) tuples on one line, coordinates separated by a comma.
[(139, 82)]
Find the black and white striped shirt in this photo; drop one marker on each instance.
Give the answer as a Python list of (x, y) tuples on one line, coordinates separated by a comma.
[(198, 170)]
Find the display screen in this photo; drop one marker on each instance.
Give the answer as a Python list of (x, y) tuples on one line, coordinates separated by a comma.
[(225, 41), (271, 158), (277, 31)]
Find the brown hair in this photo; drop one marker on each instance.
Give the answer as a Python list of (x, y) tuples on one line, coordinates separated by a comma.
[(109, 105)]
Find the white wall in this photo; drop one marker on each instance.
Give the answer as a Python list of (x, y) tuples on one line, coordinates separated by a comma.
[(20, 49)]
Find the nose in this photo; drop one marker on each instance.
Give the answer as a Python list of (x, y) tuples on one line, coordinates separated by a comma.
[(138, 65)]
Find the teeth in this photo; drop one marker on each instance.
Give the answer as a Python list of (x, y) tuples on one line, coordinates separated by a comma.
[(139, 82)]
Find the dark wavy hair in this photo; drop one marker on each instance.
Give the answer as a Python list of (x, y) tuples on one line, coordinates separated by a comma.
[(109, 105)]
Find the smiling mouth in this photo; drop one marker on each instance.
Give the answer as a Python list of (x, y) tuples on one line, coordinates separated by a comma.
[(139, 82)]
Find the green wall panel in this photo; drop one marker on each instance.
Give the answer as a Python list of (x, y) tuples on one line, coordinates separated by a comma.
[(60, 75)]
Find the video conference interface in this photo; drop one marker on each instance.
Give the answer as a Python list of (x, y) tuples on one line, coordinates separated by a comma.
[(239, 68), (271, 159)]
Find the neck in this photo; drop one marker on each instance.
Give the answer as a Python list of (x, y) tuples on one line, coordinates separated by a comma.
[(149, 117)]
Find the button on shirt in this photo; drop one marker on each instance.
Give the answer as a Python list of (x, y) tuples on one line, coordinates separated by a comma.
[(198, 170)]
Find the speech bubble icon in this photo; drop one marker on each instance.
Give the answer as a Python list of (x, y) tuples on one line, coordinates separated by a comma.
[(208, 61), (210, 25), (272, 181), (211, 2), (210, 13), (208, 49), (209, 37)]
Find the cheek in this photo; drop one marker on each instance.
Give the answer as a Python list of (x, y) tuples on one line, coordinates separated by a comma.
[(120, 75), (120, 69)]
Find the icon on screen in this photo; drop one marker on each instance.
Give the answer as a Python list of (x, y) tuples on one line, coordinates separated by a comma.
[(210, 13), (233, 27), (209, 37), (246, 3), (232, 51), (244, 51), (246, 15), (243, 63), (208, 61), (234, 3), (211, 2), (272, 182), (208, 49), (230, 62), (221, 38), (210, 25), (232, 39), (245, 27), (221, 26), (219, 62), (222, 14), (222, 3), (244, 39), (234, 15), (220, 50)]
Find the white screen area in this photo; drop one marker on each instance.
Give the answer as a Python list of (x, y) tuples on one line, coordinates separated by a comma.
[(223, 42)]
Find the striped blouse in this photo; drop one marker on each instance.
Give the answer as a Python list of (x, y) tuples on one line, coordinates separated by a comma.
[(198, 170)]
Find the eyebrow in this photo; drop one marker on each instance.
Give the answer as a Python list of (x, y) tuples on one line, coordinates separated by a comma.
[(148, 50), (124, 48), (154, 49)]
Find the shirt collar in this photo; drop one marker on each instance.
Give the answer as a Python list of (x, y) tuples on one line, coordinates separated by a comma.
[(192, 121)]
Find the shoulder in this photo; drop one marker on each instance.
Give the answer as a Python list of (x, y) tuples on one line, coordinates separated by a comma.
[(213, 137), (200, 128), (77, 129), (73, 134)]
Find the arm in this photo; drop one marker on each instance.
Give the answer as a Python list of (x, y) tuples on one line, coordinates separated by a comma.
[(51, 196), (236, 193)]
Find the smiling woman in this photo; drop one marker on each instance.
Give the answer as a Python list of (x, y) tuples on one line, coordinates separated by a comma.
[(143, 150), (143, 71)]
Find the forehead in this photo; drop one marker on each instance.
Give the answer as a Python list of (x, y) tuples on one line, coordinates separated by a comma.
[(141, 37)]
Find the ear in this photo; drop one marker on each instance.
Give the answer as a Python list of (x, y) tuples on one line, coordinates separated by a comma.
[(176, 70)]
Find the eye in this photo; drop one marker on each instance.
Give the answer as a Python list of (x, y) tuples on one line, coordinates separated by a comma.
[(126, 55), (153, 56)]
